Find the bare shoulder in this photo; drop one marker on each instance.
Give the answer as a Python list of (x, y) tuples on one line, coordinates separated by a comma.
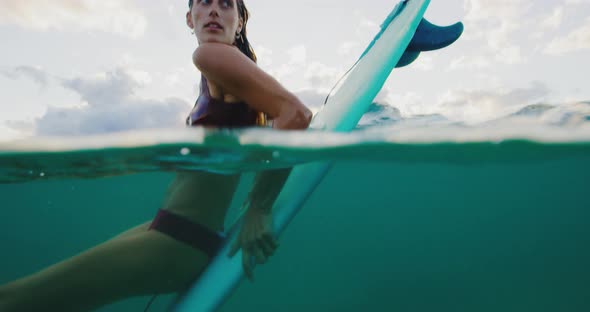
[(236, 74), (217, 56)]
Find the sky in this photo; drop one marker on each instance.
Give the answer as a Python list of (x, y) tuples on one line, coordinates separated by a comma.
[(79, 67)]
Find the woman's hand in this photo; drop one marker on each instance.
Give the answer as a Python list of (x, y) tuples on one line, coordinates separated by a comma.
[(256, 239)]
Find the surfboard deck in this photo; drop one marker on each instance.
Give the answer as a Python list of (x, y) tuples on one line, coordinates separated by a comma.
[(341, 113)]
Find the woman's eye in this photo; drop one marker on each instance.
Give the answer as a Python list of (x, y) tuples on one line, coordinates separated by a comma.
[(226, 3)]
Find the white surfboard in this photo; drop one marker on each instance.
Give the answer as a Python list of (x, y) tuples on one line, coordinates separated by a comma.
[(341, 113)]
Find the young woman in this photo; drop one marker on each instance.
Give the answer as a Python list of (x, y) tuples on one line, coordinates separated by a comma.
[(167, 254)]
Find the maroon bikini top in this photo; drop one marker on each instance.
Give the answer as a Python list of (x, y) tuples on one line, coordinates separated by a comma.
[(211, 112)]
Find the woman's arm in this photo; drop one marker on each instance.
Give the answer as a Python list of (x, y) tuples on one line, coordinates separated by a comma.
[(267, 186), (236, 74)]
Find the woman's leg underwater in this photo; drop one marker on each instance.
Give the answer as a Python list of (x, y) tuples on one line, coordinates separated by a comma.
[(144, 227), (137, 262), (141, 264)]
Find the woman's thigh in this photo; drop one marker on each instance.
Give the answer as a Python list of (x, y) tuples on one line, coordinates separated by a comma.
[(136, 262), (140, 264), (144, 227)]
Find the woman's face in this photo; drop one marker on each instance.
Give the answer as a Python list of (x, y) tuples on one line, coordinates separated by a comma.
[(215, 20)]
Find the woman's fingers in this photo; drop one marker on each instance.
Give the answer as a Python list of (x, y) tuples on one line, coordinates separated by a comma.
[(234, 248), (266, 248), (268, 245), (259, 255), (257, 245), (272, 241), (263, 248), (246, 264)]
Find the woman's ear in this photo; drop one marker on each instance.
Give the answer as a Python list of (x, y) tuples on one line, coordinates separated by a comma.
[(240, 25), (189, 20)]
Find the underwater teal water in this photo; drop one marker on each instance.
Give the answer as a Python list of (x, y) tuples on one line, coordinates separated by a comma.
[(410, 218)]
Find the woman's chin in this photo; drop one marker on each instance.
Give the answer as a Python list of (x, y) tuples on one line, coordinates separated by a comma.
[(214, 40)]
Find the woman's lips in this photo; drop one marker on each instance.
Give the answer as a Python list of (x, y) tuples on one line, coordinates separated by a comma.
[(213, 26)]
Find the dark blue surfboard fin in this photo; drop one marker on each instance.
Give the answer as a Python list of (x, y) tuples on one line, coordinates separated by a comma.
[(407, 58), (430, 37)]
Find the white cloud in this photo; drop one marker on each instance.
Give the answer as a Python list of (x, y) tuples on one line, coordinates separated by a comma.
[(554, 20), (484, 10), (140, 76), (550, 22), (483, 105), (35, 74), (494, 24), (104, 89), (313, 99), (265, 56), (297, 55), (367, 27), (111, 105), (321, 76), (510, 55), (409, 103), (468, 106), (469, 63), (424, 62), (112, 16), (13, 129), (577, 40), (7, 133), (348, 48)]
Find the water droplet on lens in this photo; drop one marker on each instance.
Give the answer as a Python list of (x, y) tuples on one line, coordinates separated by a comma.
[(185, 151)]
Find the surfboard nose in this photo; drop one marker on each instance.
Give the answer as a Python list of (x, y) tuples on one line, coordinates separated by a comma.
[(429, 37)]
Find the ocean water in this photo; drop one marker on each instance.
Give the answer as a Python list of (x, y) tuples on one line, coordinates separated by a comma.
[(417, 214)]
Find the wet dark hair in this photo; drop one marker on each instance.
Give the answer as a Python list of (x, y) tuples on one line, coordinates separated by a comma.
[(242, 43)]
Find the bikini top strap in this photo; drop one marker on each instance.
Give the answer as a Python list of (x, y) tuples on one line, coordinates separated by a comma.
[(204, 86)]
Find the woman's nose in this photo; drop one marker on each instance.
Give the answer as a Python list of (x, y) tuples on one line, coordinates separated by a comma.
[(213, 11)]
